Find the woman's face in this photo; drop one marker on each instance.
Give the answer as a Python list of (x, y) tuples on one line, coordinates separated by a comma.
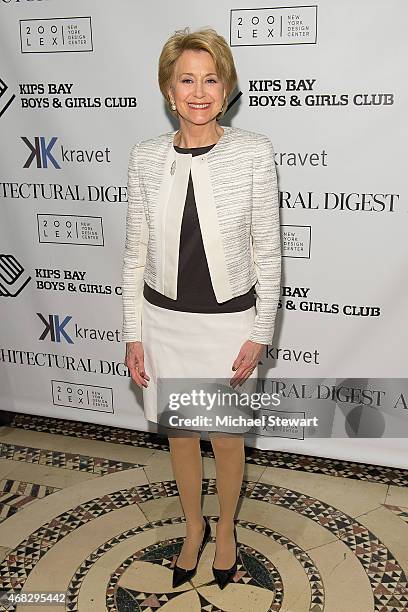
[(195, 82)]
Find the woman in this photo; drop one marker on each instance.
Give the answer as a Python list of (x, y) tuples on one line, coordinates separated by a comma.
[(201, 272)]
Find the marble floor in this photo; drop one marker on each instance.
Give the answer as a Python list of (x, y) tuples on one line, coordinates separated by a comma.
[(93, 512)]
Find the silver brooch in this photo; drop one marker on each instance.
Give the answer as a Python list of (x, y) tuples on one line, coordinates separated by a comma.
[(173, 167)]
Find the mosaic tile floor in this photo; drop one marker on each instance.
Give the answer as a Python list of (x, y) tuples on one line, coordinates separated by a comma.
[(94, 512)]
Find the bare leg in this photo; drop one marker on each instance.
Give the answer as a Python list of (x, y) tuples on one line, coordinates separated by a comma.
[(229, 455), (186, 462)]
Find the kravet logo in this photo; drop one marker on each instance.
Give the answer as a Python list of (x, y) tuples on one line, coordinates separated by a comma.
[(56, 35), (41, 152), (54, 327), (291, 25)]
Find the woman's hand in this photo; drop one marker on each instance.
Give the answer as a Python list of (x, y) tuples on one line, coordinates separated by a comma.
[(246, 362), (134, 360)]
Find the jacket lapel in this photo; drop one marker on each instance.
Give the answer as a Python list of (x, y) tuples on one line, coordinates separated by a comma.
[(169, 214), (172, 216), (210, 230), (158, 224)]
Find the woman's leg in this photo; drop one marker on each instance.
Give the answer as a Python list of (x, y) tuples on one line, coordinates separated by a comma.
[(186, 462), (229, 452)]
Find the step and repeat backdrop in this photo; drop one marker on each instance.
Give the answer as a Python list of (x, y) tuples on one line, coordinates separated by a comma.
[(326, 82)]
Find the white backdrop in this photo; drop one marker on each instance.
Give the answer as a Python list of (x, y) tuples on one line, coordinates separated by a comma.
[(78, 87)]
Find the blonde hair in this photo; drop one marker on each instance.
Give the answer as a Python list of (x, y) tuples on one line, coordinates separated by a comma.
[(206, 39)]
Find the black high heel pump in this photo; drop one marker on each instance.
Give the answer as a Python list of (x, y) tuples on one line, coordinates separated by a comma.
[(223, 576), (181, 575)]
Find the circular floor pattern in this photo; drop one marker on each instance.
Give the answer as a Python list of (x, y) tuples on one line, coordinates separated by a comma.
[(253, 569), (385, 576)]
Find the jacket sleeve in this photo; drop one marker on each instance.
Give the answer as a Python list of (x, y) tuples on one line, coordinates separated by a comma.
[(134, 258), (266, 242)]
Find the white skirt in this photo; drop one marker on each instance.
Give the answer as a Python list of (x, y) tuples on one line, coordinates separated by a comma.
[(186, 352)]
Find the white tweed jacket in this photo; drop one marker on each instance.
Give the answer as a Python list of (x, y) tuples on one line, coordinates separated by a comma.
[(236, 192)]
